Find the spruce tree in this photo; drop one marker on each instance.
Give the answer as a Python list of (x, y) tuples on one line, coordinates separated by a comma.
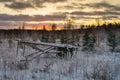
[(92, 43), (112, 41), (44, 38), (63, 39), (119, 40), (86, 40)]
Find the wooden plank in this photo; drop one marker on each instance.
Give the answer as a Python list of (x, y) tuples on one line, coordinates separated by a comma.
[(34, 47), (39, 53), (47, 44)]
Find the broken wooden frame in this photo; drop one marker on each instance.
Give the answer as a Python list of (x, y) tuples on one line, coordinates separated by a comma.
[(61, 50)]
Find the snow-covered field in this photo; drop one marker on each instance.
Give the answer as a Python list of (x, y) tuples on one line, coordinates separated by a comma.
[(101, 65)]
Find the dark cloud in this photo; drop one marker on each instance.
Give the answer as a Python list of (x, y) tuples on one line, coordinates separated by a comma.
[(110, 17), (41, 2), (23, 4), (66, 7), (70, 7), (99, 5), (51, 1), (29, 3), (5, 23), (6, 0), (58, 17), (93, 17), (6, 17), (107, 6), (9, 24), (102, 4), (55, 17), (19, 5), (95, 13), (73, 5), (15, 20), (105, 13)]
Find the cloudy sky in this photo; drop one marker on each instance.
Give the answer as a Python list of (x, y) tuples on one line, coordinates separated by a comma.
[(35, 13)]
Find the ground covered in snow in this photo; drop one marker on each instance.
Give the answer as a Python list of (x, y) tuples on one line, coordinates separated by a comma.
[(101, 65)]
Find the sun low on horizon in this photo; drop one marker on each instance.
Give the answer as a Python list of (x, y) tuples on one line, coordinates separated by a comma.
[(37, 13)]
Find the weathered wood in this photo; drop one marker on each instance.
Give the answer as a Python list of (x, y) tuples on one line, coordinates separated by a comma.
[(59, 49), (39, 53), (47, 44)]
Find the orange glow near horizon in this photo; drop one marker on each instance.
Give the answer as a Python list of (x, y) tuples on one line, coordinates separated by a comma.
[(48, 28)]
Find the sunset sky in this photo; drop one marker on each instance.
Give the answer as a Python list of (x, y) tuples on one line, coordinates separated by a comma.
[(36, 13)]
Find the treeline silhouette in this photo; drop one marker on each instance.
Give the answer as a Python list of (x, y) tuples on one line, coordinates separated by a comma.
[(50, 36)]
